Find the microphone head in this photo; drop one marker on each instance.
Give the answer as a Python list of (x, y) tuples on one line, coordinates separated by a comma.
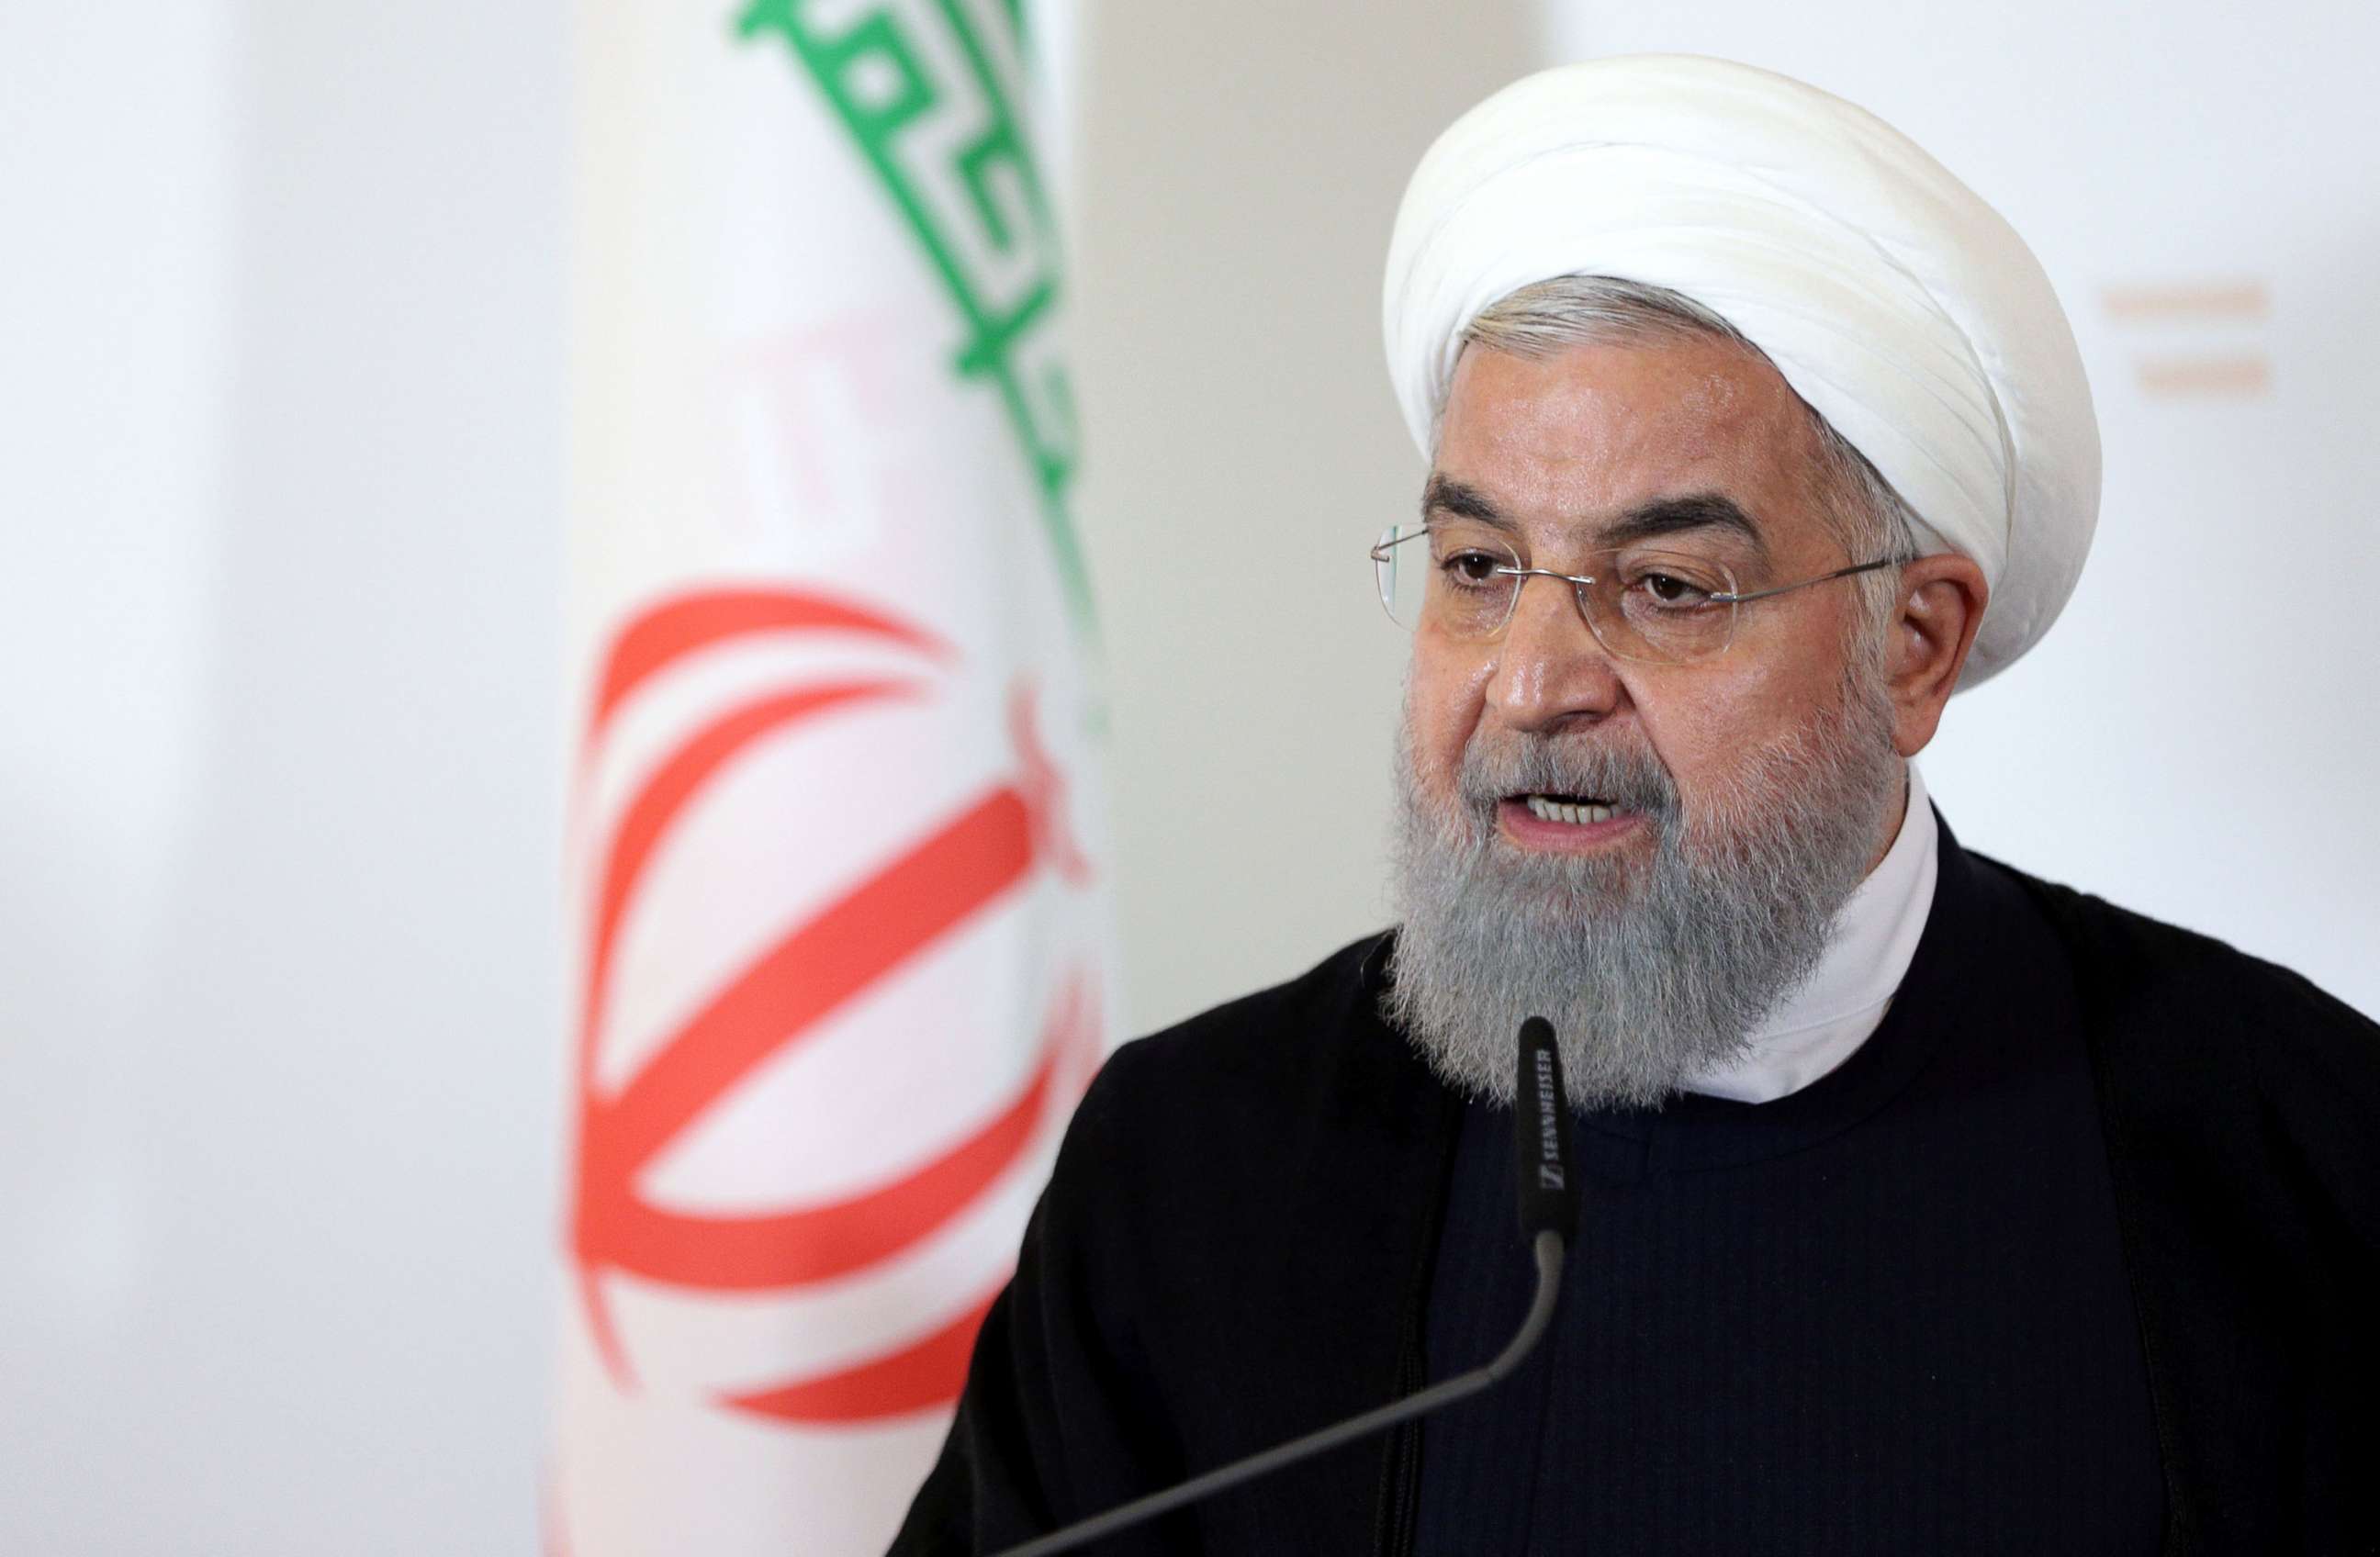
[(1541, 1137)]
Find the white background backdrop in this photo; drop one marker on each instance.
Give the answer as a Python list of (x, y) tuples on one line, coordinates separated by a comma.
[(280, 753), (281, 686)]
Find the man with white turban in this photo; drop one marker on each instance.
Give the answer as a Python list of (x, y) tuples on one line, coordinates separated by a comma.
[(1928, 1206)]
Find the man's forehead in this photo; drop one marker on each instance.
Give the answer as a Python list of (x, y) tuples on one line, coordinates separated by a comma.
[(1629, 440), (1670, 413), (1593, 394)]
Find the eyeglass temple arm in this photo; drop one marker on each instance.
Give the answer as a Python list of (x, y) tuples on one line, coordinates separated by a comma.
[(1804, 584)]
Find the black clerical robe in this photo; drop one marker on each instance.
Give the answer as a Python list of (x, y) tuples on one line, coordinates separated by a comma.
[(1241, 1241)]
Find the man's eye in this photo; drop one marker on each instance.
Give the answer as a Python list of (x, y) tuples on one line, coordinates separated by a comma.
[(1669, 589), (1471, 568)]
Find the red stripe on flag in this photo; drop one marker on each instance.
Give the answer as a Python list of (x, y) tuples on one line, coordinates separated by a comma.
[(922, 1375), (785, 994), (663, 797), (850, 945), (653, 640), (760, 1253)]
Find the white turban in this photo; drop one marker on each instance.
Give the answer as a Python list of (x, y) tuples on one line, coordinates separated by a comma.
[(1900, 305)]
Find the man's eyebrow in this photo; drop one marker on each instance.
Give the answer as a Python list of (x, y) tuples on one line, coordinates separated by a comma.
[(1649, 520), (1681, 515), (1443, 494)]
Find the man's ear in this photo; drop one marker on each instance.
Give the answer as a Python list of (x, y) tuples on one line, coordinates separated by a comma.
[(1934, 622)]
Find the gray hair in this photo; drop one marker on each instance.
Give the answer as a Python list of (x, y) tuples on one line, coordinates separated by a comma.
[(1866, 516)]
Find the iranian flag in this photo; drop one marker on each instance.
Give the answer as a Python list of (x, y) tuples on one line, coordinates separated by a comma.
[(834, 828)]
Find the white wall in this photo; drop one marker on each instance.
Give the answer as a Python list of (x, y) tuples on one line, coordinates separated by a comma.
[(280, 665)]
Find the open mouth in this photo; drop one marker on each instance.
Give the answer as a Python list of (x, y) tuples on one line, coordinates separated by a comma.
[(1577, 811)]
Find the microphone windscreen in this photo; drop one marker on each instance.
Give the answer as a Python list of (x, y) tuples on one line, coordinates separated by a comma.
[(1541, 1137)]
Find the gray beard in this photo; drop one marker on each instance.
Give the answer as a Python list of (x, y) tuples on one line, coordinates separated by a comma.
[(1650, 976)]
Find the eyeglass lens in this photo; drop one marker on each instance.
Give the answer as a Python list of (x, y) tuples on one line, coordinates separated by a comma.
[(1642, 603)]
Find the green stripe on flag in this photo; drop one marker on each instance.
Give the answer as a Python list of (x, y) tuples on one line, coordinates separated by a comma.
[(871, 74)]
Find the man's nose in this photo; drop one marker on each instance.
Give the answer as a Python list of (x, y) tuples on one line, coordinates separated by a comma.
[(1550, 669)]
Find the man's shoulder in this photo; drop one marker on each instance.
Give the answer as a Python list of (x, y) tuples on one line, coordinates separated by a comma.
[(1253, 1115), (1257, 1064), (1270, 1031), (2197, 1011)]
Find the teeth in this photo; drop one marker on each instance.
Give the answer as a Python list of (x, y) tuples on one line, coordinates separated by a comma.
[(1546, 810)]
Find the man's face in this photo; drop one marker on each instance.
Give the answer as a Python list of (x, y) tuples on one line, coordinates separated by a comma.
[(1581, 451), (1748, 792)]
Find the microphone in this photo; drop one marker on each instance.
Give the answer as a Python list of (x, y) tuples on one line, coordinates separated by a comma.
[(1548, 1208), (1541, 1134)]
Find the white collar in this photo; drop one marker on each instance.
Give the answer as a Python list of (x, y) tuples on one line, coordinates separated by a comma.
[(1828, 1016)]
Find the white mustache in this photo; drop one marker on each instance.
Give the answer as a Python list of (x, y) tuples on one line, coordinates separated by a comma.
[(1633, 779)]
